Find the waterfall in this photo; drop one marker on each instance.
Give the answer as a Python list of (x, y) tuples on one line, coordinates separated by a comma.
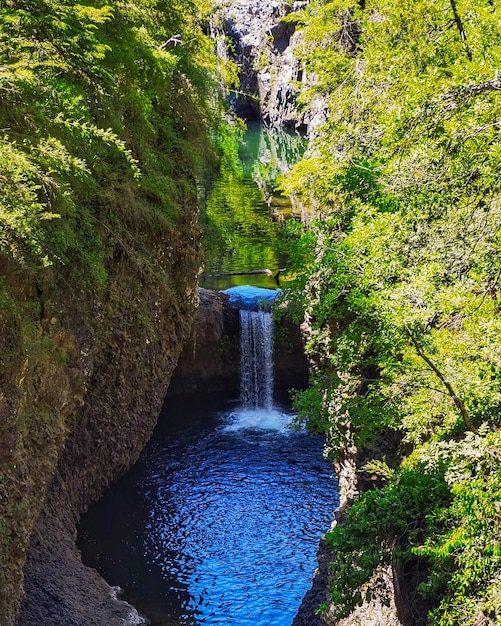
[(256, 359), (256, 344)]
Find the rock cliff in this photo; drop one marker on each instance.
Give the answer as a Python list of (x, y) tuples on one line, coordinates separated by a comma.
[(104, 154), (381, 609), (85, 372), (271, 76), (209, 362)]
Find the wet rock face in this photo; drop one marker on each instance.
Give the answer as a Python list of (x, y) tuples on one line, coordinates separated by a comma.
[(88, 371), (210, 361), (271, 74)]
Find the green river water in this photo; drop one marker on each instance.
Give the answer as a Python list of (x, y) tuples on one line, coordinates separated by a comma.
[(245, 215)]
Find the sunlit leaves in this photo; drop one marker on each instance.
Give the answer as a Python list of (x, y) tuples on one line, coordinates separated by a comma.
[(402, 290), (87, 101), (21, 210)]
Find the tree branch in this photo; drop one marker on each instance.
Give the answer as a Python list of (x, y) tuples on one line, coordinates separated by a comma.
[(172, 42), (266, 271), (450, 390), (489, 85), (469, 91), (460, 27)]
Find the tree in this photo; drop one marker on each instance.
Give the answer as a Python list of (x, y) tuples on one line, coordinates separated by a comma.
[(402, 286)]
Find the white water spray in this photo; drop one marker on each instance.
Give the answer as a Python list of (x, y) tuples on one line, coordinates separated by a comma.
[(257, 411)]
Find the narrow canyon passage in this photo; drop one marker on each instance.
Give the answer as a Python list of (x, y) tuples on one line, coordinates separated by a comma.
[(219, 521)]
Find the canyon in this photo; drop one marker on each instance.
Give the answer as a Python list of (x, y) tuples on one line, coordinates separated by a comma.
[(87, 369)]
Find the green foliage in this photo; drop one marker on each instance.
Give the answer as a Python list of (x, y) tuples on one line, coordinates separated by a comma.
[(380, 530), (99, 118), (399, 279), (437, 518), (464, 554)]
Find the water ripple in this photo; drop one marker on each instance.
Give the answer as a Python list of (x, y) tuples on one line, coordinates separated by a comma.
[(222, 521)]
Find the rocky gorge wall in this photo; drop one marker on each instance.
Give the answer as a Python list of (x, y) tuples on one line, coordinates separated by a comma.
[(386, 604), (271, 76), (85, 372), (105, 153), (382, 609)]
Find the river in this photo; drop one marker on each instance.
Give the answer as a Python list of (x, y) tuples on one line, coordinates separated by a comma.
[(244, 214)]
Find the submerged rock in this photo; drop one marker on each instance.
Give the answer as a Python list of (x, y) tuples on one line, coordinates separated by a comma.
[(251, 298)]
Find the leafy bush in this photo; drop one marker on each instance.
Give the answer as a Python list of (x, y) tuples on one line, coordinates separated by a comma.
[(399, 278), (381, 529)]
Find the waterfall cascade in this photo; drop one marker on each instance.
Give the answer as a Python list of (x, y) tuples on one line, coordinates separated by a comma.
[(256, 359), (256, 345)]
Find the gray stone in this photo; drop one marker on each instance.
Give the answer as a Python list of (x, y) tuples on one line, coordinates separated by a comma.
[(271, 75)]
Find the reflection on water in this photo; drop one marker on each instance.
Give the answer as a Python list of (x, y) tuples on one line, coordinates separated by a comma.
[(242, 230), (219, 521), (268, 152)]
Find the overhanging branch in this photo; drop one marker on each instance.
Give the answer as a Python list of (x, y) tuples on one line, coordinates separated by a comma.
[(460, 27), (454, 97), (450, 390)]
